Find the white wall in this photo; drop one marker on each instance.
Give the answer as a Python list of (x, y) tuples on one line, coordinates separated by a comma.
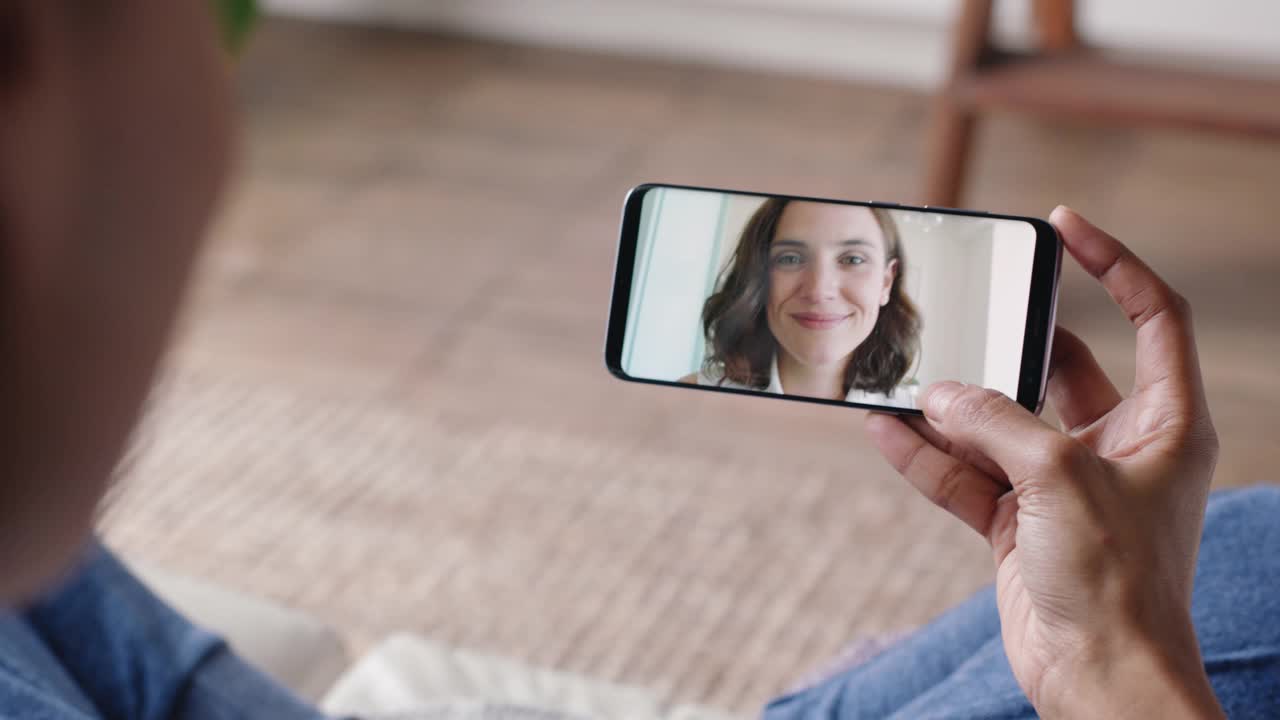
[(1012, 257), (948, 274), (901, 42), (674, 260)]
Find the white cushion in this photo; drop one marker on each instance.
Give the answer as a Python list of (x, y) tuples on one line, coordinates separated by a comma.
[(293, 648), (407, 673)]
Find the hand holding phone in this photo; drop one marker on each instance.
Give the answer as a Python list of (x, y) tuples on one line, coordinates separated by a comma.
[(1094, 529), (830, 301)]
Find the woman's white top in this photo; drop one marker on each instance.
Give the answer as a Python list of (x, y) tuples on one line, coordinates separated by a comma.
[(903, 396)]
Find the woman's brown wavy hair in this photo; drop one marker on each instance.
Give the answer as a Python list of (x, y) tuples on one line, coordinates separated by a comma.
[(736, 326)]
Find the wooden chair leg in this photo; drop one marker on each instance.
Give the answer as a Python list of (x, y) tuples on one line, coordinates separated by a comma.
[(1055, 22), (952, 126), (950, 141)]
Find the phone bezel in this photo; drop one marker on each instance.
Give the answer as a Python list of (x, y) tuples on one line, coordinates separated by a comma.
[(1041, 307)]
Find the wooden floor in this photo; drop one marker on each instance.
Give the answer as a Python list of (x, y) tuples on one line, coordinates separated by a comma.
[(388, 405)]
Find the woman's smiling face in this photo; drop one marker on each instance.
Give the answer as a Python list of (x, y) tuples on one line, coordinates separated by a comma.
[(828, 278)]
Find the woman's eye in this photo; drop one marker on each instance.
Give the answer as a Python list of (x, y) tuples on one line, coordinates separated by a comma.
[(788, 260), (852, 260)]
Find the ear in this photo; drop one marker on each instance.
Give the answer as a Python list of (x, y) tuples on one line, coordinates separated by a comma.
[(890, 274)]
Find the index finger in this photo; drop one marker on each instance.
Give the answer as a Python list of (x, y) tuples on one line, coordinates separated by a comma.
[(953, 485), (1162, 317)]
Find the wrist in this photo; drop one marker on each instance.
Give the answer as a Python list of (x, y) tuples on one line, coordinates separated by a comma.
[(1134, 677)]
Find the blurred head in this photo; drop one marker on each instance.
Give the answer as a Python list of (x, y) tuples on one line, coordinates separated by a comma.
[(821, 283), (114, 140)]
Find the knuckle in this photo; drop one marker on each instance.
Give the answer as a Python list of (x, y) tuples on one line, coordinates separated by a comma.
[(908, 464), (1179, 307), (1155, 300), (1065, 454), (1203, 437), (975, 405), (1211, 441), (948, 486)]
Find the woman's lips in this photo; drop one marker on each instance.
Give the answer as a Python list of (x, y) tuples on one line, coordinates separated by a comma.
[(818, 321)]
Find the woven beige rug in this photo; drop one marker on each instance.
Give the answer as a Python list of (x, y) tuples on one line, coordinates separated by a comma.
[(710, 580)]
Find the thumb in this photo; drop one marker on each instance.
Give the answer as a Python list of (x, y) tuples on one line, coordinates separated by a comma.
[(999, 428)]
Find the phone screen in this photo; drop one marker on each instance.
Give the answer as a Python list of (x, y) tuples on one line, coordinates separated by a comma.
[(860, 303)]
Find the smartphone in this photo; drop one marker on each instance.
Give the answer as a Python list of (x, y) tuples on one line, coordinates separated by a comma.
[(830, 301)]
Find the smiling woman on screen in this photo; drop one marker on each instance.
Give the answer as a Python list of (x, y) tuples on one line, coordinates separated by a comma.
[(812, 304)]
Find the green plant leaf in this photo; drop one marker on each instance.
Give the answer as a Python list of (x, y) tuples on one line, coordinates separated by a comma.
[(236, 18)]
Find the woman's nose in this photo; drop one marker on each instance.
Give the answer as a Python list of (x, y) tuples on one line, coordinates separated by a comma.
[(820, 283)]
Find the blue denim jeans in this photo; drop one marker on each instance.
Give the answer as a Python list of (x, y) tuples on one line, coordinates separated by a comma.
[(955, 667), (103, 646)]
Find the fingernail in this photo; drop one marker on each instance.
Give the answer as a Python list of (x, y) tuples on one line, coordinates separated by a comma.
[(938, 399)]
